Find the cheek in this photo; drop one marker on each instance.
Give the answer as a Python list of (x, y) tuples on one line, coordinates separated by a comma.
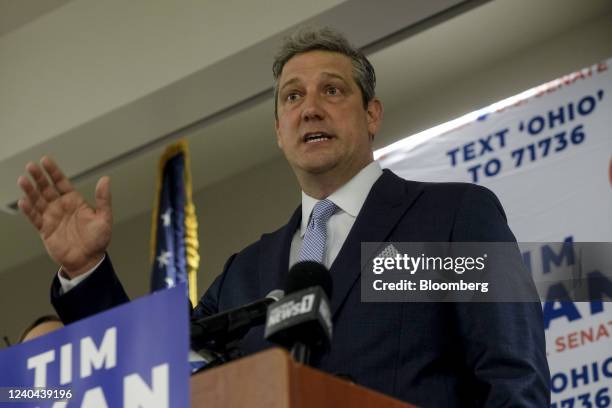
[(358, 128), (287, 127), (283, 136)]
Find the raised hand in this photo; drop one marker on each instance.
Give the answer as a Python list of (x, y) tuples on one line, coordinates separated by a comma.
[(75, 234)]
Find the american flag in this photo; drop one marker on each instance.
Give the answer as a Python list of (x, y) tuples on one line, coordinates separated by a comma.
[(174, 227)]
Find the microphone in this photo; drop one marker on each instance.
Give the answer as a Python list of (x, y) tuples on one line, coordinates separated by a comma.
[(301, 321), (215, 332)]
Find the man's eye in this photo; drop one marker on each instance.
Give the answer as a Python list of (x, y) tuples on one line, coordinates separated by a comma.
[(332, 90), (292, 97)]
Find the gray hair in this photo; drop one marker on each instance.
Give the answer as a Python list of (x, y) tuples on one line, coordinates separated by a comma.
[(325, 39)]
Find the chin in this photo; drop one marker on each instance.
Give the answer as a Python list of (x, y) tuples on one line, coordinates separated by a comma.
[(318, 167)]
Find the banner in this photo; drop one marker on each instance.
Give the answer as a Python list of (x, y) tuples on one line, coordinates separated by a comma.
[(134, 355), (547, 154)]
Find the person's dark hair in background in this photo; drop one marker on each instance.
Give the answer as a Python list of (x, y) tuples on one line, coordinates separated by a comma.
[(41, 326)]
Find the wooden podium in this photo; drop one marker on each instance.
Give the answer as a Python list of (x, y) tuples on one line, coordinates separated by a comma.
[(271, 379)]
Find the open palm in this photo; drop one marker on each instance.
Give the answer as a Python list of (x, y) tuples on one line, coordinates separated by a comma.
[(74, 233)]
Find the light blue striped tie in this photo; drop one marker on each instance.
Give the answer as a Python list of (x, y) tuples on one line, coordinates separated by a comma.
[(313, 247)]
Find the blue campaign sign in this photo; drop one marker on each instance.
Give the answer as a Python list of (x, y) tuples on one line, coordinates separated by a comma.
[(134, 355)]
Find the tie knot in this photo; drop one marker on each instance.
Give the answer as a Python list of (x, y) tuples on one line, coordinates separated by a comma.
[(323, 210)]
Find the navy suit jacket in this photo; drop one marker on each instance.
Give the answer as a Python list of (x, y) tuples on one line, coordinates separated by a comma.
[(429, 354)]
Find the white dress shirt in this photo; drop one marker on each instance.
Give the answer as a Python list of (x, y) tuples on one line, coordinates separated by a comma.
[(349, 198), (67, 284)]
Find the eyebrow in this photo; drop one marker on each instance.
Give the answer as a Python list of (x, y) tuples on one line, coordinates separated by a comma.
[(334, 76), (292, 81), (325, 75)]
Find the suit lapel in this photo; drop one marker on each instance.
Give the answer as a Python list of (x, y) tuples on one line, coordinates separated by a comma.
[(386, 203), (274, 256), (388, 200)]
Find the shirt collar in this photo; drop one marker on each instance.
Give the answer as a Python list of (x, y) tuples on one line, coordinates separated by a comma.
[(349, 198)]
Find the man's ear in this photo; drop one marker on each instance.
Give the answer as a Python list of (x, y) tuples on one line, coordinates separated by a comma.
[(374, 112)]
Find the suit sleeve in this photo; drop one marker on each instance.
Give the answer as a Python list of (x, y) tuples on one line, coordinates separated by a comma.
[(503, 343), (209, 302), (101, 291)]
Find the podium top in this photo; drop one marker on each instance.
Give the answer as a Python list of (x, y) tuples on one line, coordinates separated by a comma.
[(271, 379)]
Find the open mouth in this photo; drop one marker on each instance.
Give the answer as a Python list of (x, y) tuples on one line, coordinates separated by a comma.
[(315, 137)]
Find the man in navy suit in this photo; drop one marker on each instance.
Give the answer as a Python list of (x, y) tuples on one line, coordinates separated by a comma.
[(431, 354)]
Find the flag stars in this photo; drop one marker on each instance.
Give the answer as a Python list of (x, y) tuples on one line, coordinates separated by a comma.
[(163, 259), (166, 217)]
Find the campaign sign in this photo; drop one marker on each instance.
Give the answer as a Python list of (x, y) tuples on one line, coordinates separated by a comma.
[(134, 355), (547, 154)]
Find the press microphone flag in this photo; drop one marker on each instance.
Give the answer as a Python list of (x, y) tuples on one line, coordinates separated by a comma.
[(303, 316)]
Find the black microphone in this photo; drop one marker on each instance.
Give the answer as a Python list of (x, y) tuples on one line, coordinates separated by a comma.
[(215, 332), (301, 321)]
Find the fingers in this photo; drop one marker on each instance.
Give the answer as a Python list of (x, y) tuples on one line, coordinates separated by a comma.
[(61, 182), (47, 191), (32, 194), (42, 191), (103, 197), (28, 210)]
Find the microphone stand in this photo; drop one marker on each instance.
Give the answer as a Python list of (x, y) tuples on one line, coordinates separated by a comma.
[(300, 353)]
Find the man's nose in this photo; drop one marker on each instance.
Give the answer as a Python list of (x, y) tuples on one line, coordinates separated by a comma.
[(312, 108)]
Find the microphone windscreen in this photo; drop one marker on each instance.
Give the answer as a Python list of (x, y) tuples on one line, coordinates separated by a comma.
[(306, 274)]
